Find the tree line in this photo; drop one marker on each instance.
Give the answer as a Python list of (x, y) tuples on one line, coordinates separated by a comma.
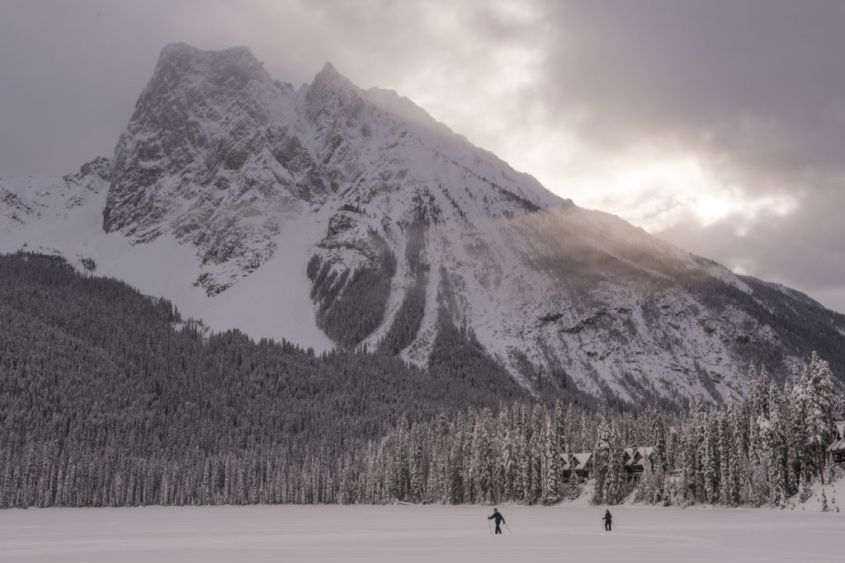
[(109, 398), (762, 451)]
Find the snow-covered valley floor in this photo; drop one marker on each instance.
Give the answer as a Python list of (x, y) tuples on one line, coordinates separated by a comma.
[(409, 533)]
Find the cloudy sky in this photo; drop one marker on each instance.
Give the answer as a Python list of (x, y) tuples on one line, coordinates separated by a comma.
[(718, 125)]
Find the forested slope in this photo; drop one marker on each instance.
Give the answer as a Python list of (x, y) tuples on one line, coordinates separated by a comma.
[(108, 397)]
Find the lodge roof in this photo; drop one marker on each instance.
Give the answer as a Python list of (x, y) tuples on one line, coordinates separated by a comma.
[(634, 456), (578, 460), (837, 446)]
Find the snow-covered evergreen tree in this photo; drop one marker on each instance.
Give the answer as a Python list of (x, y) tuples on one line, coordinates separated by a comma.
[(710, 460), (615, 480), (815, 394), (776, 446), (551, 465), (601, 461)]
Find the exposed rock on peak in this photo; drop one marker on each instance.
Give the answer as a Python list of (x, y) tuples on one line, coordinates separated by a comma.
[(333, 94), (183, 53), (328, 73), (100, 167), (208, 150)]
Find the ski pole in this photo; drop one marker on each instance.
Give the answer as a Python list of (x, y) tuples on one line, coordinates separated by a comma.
[(508, 527), (489, 527)]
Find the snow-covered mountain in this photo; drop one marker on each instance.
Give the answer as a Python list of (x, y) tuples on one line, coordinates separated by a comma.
[(330, 216), (42, 200)]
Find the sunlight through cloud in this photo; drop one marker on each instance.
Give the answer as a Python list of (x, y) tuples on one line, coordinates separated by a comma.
[(658, 193)]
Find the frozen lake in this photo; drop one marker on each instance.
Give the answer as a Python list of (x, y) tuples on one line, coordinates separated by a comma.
[(414, 533)]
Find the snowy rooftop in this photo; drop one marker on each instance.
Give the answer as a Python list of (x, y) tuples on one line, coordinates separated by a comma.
[(837, 446)]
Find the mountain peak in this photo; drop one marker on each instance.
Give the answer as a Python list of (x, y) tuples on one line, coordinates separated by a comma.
[(330, 77), (329, 69), (178, 48), (178, 60), (181, 49)]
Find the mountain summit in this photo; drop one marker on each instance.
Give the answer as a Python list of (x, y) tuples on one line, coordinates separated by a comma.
[(335, 216)]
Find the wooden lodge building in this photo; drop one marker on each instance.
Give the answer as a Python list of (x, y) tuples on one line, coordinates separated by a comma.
[(634, 461), (580, 463), (836, 450)]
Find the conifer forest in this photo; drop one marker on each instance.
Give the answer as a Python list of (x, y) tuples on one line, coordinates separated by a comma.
[(109, 398)]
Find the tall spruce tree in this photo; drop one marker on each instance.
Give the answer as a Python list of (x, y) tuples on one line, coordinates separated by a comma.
[(551, 466)]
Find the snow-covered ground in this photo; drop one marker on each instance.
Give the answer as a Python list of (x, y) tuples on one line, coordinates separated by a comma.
[(391, 534)]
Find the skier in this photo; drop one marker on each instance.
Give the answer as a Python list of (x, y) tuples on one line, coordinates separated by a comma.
[(498, 518), (608, 518)]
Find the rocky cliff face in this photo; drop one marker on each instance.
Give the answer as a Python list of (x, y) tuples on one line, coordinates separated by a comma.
[(407, 238), (212, 157)]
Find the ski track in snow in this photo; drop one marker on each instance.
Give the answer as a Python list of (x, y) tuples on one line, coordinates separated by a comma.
[(377, 534)]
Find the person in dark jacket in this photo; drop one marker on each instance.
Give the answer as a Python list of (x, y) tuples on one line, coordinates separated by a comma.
[(608, 519), (498, 519)]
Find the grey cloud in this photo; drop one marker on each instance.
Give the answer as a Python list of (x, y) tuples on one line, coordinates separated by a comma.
[(72, 70), (803, 250), (760, 82), (755, 88)]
